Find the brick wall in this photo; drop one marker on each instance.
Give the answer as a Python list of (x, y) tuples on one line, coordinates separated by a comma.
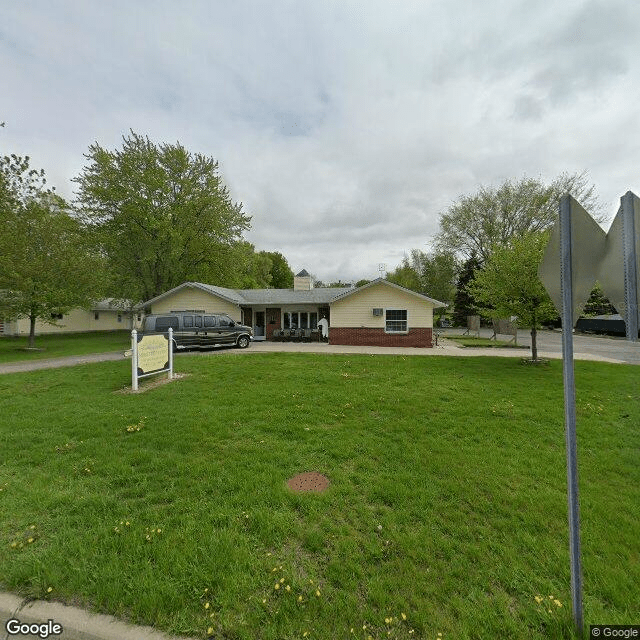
[(419, 337)]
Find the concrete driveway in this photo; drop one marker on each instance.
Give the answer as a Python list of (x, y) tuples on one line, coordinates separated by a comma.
[(604, 349)]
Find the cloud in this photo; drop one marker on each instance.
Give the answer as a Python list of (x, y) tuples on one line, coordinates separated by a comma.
[(344, 128)]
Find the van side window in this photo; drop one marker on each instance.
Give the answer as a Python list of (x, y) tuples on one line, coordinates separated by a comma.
[(187, 321), (198, 321), (225, 321), (164, 322), (210, 321)]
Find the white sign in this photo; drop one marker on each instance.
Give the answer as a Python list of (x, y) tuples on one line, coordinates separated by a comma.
[(150, 355)]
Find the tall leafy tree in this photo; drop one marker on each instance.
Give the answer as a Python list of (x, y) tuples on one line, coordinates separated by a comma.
[(253, 270), (508, 285), (432, 274), (160, 214), (46, 267), (281, 272), (476, 223)]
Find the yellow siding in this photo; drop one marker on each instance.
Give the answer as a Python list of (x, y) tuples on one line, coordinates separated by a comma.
[(356, 309), (190, 298), (77, 320)]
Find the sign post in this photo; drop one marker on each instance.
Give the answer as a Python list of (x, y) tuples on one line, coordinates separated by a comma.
[(150, 355), (566, 286)]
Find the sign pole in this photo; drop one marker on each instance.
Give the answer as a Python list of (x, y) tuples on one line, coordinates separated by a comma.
[(630, 269), (570, 410), (170, 353), (134, 360)]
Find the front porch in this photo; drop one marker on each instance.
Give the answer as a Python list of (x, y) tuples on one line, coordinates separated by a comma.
[(296, 323)]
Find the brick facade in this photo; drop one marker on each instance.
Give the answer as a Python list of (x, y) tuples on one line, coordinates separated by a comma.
[(418, 337)]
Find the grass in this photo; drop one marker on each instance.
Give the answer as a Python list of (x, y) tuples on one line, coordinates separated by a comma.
[(447, 503), (472, 341), (14, 349)]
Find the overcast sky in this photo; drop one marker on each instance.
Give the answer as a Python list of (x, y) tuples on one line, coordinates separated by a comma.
[(345, 128)]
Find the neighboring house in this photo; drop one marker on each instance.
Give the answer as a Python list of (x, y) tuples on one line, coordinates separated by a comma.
[(106, 315), (378, 313)]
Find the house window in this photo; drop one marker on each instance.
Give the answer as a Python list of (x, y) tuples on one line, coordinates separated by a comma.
[(56, 316), (119, 317), (96, 316), (396, 321)]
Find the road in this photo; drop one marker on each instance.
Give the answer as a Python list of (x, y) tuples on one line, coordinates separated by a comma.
[(584, 345)]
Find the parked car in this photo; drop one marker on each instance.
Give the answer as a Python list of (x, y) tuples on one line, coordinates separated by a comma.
[(198, 330)]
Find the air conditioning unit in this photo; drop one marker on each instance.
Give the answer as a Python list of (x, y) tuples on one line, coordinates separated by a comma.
[(378, 312)]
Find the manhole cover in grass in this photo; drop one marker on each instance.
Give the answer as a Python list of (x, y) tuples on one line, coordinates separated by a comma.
[(310, 481)]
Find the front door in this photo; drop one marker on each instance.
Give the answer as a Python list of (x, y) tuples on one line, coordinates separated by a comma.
[(259, 326)]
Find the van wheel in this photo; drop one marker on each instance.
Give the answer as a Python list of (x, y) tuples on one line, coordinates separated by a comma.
[(243, 342)]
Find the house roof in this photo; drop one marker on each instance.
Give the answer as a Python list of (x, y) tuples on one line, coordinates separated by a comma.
[(323, 295), (257, 296), (349, 292)]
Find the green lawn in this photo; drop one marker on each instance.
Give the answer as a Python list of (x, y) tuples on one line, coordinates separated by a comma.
[(14, 349), (447, 503)]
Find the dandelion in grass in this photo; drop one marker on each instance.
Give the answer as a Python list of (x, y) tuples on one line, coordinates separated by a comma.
[(288, 587), (557, 603), (276, 586), (299, 598), (206, 605), (318, 593), (49, 589), (209, 631), (404, 616)]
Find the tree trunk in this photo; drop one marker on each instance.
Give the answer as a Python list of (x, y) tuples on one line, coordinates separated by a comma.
[(32, 331), (534, 346)]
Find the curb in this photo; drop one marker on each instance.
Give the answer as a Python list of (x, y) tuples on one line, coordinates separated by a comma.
[(77, 624)]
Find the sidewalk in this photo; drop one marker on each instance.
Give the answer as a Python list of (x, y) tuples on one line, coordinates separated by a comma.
[(76, 624), (445, 348)]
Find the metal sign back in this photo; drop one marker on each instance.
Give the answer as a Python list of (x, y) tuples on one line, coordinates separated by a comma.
[(588, 244), (620, 266)]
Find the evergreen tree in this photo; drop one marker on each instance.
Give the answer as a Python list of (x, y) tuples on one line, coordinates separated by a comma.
[(464, 303)]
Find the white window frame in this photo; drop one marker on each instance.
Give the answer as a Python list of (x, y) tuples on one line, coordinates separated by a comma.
[(401, 331)]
